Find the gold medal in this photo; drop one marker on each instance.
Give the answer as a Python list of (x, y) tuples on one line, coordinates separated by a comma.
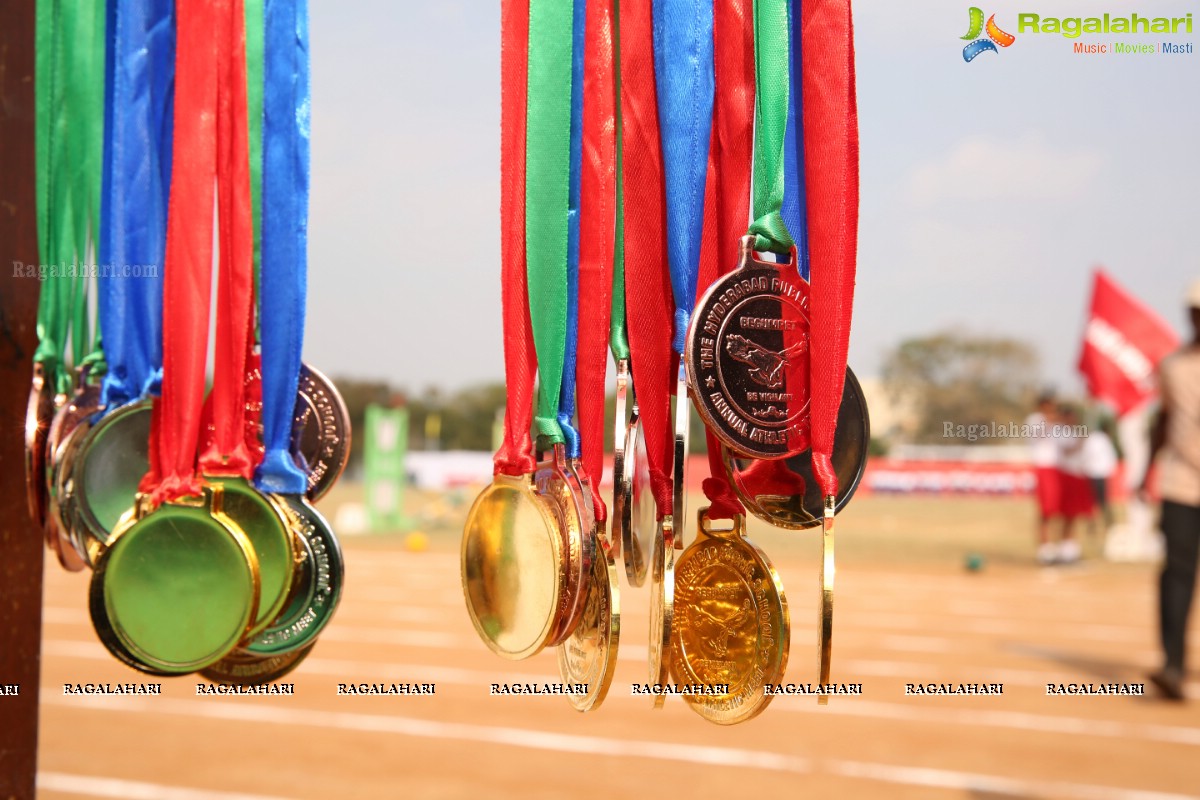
[(589, 655), (622, 505), (784, 492), (683, 425), (825, 623), (641, 530), (731, 626), (512, 566), (662, 607)]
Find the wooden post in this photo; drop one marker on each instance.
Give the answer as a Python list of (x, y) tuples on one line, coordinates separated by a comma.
[(21, 544)]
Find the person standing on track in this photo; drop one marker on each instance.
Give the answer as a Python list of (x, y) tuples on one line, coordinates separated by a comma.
[(1043, 452), (1175, 441)]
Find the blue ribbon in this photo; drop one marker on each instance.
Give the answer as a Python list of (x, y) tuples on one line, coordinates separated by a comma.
[(795, 209), (135, 188), (283, 274), (683, 70), (566, 398)]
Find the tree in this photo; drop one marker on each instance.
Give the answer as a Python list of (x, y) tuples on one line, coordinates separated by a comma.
[(962, 379)]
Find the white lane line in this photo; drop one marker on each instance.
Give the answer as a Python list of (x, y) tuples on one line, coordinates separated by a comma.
[(600, 746), (92, 786), (431, 729), (989, 784)]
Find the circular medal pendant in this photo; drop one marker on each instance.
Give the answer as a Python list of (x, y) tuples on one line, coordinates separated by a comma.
[(662, 607), (102, 464), (731, 630), (39, 414), (784, 492), (556, 480), (242, 668), (747, 358), (683, 424), (320, 431), (316, 588), (512, 567), (268, 530), (641, 530), (177, 588), (66, 431), (589, 655)]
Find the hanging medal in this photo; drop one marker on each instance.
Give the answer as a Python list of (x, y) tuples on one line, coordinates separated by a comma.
[(784, 492), (589, 655), (181, 559), (69, 116), (283, 476), (106, 457), (650, 317), (512, 547)]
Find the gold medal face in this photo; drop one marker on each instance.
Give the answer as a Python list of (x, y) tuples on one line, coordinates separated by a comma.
[(512, 567), (784, 492), (731, 625), (642, 530), (747, 358), (662, 607), (589, 655)]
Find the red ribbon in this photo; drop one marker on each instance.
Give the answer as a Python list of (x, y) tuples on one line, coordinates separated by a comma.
[(211, 143), (515, 456), (831, 177), (649, 302), (597, 238), (727, 191)]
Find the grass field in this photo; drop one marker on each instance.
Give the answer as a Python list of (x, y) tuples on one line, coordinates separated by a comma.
[(907, 612)]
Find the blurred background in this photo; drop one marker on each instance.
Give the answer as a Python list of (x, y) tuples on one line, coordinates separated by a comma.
[(992, 192)]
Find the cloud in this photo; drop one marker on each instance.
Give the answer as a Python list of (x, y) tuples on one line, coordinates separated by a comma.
[(1025, 169)]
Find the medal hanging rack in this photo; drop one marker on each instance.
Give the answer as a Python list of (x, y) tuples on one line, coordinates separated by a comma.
[(185, 507), (711, 95)]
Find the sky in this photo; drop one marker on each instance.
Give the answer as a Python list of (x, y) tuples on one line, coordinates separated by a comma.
[(990, 190)]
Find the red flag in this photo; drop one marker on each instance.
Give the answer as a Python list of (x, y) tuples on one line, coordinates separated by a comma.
[(1122, 345)]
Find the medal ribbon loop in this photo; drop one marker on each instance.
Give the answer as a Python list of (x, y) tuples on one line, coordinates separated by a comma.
[(515, 456), (284, 267), (597, 242), (211, 142), (137, 183)]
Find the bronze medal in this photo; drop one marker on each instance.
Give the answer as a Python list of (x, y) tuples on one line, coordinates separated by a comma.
[(747, 358), (68, 428), (589, 654), (557, 481), (784, 491), (243, 668), (320, 431), (39, 415), (662, 607), (731, 628)]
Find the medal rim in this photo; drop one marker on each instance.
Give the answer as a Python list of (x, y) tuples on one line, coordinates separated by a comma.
[(604, 579), (663, 605), (758, 700), (523, 487), (341, 414), (713, 421), (39, 415), (274, 666), (845, 491)]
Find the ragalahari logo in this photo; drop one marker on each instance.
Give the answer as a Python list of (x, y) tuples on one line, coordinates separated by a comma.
[(995, 36)]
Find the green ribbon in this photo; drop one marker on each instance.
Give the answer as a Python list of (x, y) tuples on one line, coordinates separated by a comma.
[(547, 184), (69, 128), (770, 124), (255, 20), (618, 335)]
